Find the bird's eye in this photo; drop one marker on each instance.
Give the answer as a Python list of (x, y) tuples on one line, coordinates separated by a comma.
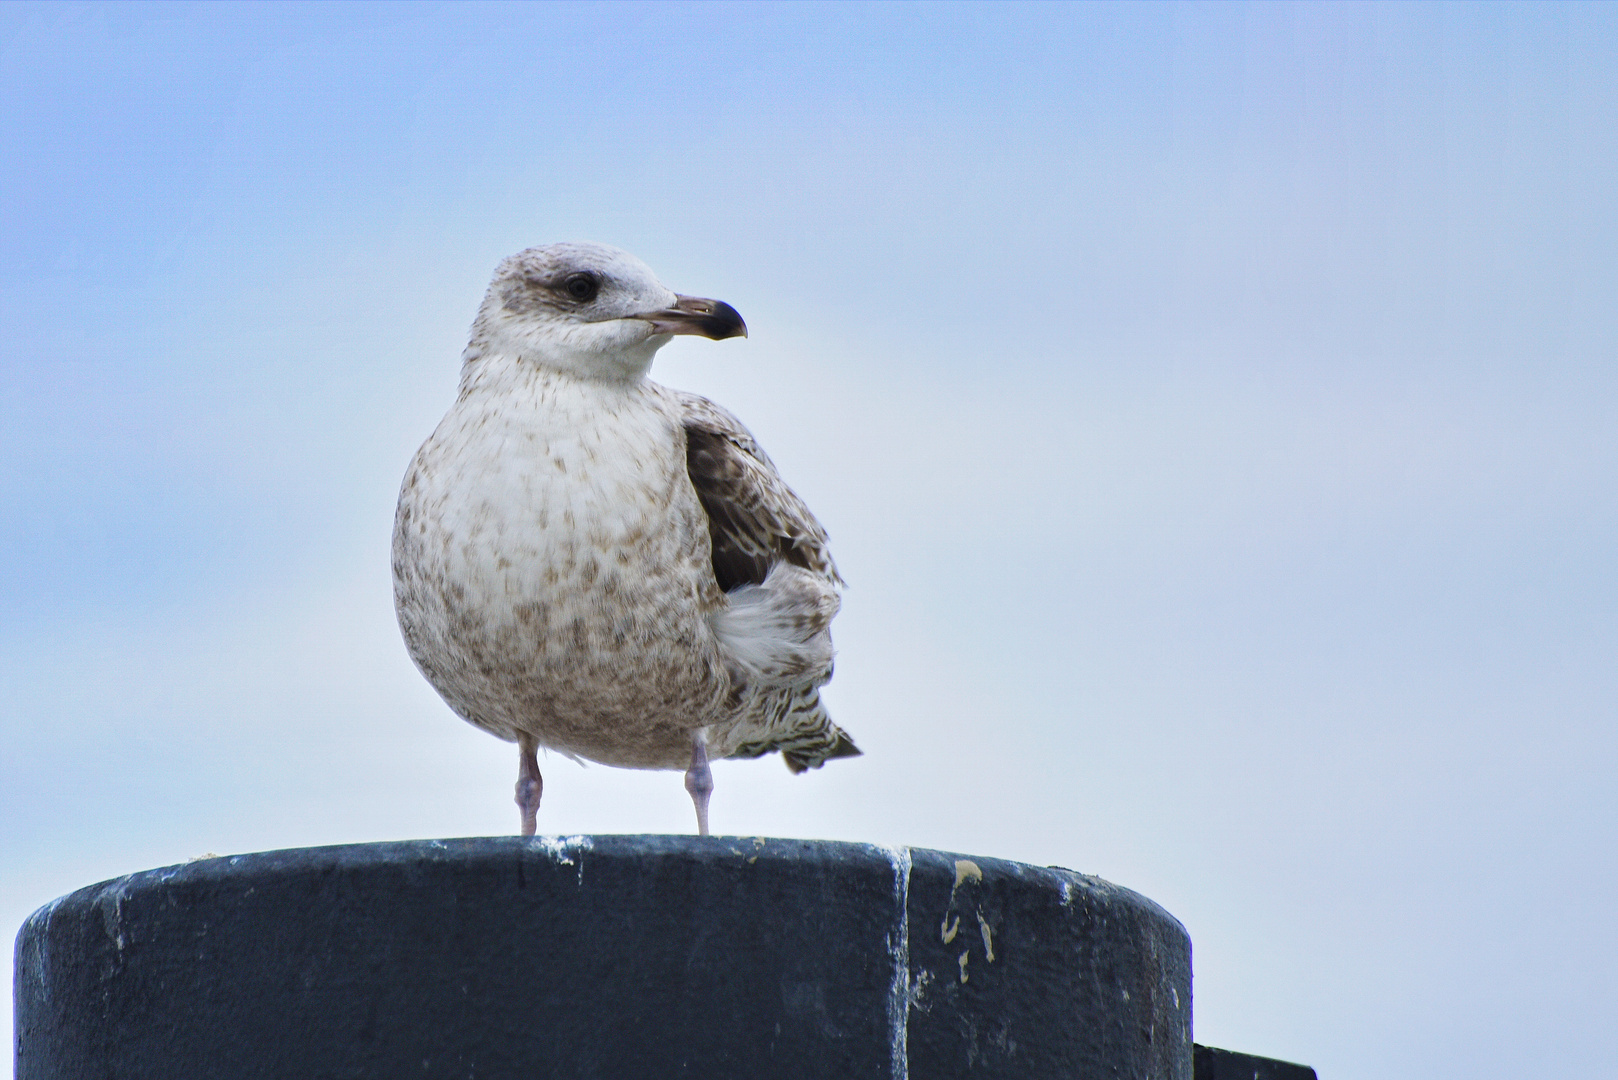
[(581, 287)]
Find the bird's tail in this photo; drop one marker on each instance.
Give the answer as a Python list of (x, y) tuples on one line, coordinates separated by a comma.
[(797, 725), (800, 757), (776, 638)]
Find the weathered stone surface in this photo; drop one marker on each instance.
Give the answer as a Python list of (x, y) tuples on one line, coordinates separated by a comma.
[(605, 956)]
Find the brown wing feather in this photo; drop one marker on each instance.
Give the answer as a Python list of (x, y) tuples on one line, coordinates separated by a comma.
[(755, 520)]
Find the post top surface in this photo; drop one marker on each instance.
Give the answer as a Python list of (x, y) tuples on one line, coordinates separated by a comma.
[(573, 850)]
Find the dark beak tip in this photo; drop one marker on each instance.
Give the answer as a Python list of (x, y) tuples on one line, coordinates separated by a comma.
[(725, 322)]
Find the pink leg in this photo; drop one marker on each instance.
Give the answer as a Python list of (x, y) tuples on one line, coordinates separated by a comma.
[(529, 783), (699, 780)]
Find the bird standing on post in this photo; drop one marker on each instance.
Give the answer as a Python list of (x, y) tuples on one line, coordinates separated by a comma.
[(587, 561)]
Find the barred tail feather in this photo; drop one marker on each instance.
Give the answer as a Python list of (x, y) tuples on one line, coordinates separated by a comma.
[(799, 759), (796, 724)]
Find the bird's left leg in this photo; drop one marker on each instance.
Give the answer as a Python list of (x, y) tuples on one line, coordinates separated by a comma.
[(699, 779), (530, 785)]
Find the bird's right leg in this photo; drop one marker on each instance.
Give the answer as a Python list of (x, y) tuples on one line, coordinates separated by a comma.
[(699, 779), (529, 783)]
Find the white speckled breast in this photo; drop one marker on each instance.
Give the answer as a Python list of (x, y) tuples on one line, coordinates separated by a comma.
[(551, 567)]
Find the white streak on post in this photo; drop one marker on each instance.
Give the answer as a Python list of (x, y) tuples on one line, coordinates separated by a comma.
[(563, 849), (899, 953)]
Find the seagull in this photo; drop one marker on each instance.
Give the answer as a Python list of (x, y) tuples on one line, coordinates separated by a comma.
[(587, 561)]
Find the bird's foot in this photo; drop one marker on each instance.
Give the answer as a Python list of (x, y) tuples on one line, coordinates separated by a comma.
[(530, 785), (699, 780)]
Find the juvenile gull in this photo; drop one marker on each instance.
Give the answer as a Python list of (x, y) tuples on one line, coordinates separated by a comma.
[(591, 562)]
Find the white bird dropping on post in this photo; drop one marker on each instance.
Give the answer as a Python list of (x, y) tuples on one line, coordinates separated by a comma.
[(590, 562)]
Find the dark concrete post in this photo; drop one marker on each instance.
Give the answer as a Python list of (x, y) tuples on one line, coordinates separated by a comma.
[(1215, 1064), (633, 957)]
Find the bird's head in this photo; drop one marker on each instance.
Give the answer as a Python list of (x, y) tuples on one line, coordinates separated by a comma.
[(590, 310)]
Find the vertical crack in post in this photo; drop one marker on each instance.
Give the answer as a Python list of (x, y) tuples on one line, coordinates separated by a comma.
[(899, 953)]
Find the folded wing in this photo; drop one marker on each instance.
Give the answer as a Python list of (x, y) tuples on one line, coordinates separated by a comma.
[(771, 558), (755, 519)]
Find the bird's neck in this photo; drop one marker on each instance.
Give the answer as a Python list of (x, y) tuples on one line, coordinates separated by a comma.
[(498, 344), (497, 370), (496, 376)]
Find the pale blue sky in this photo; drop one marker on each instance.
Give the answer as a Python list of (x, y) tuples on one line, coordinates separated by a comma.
[(1213, 408)]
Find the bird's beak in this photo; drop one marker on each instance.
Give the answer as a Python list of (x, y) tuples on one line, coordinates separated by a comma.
[(713, 319)]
